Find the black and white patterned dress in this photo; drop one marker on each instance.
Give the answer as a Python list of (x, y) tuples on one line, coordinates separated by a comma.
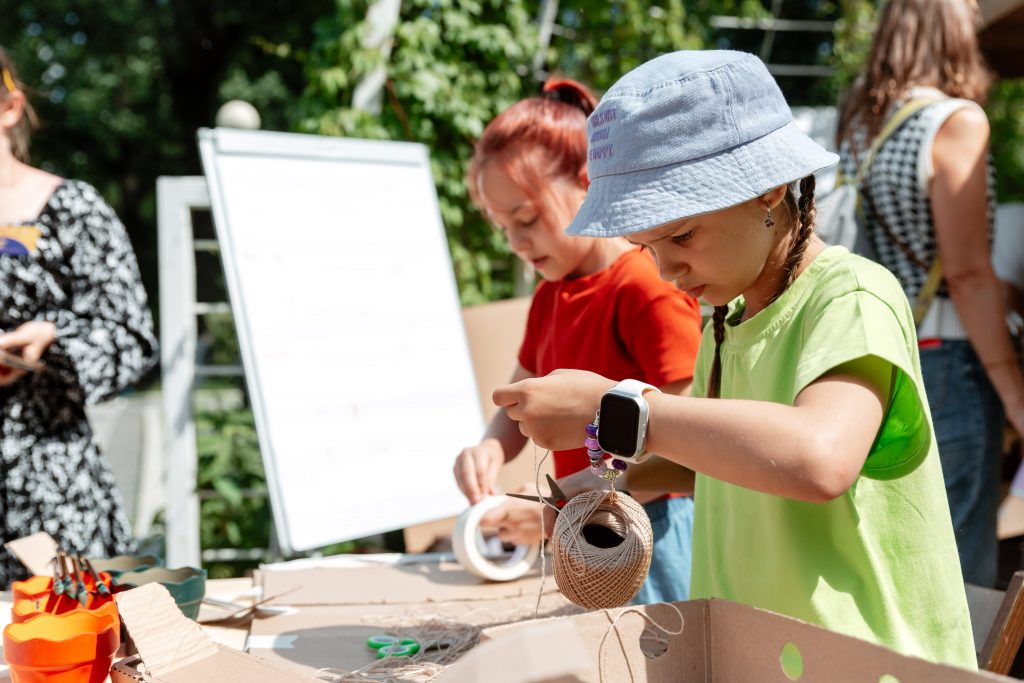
[(80, 274)]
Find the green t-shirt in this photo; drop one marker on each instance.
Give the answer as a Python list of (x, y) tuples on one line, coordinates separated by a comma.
[(880, 561)]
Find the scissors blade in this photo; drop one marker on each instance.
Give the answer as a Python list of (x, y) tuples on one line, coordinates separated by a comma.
[(534, 499), (555, 491)]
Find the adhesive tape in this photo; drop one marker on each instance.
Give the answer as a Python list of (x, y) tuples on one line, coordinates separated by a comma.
[(467, 542)]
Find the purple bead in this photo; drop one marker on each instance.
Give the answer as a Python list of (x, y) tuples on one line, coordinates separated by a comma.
[(591, 443), (595, 453), (599, 469), (592, 429), (620, 465)]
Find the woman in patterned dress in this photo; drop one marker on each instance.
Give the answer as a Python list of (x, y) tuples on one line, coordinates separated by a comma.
[(929, 194), (70, 296)]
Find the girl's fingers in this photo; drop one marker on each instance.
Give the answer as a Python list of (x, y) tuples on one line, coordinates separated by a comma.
[(495, 519), (508, 395), (465, 477), (483, 481), (492, 477)]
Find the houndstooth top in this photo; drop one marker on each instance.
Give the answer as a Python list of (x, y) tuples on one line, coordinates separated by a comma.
[(78, 271), (894, 192)]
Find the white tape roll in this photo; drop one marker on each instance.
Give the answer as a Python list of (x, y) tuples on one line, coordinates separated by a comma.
[(467, 542)]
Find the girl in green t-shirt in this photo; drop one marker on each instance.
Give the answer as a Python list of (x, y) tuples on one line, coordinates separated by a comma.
[(818, 490)]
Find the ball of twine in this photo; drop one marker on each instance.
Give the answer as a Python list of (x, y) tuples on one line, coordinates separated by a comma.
[(602, 546)]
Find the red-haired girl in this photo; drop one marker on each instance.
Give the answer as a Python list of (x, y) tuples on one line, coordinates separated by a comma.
[(600, 307)]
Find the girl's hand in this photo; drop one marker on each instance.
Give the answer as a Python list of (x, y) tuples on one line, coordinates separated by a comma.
[(554, 410), (30, 341), (517, 521), (477, 468)]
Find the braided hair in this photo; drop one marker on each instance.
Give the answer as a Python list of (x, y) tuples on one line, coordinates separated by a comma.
[(803, 228)]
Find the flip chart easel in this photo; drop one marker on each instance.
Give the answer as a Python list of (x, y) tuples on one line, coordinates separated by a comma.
[(349, 325)]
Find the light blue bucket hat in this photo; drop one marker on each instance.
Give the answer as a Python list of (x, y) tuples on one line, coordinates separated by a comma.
[(689, 133)]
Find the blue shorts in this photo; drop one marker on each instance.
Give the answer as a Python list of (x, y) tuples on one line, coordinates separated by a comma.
[(669, 577)]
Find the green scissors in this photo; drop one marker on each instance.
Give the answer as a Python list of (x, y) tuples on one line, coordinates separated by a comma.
[(393, 646)]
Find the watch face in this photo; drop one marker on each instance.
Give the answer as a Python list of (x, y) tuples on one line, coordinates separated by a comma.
[(620, 422)]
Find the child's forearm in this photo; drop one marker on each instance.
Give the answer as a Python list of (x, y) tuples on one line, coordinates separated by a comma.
[(805, 452), (506, 433)]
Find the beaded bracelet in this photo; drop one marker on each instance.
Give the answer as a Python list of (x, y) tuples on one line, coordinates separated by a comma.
[(598, 466)]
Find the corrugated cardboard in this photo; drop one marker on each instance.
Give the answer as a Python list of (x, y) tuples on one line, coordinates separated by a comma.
[(335, 636), (173, 648), (36, 552), (725, 642), (422, 583), (553, 647)]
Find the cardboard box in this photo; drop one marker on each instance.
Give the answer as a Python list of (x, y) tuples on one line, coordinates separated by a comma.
[(721, 641), (173, 649)]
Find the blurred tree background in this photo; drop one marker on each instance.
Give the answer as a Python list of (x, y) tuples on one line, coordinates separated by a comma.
[(122, 87)]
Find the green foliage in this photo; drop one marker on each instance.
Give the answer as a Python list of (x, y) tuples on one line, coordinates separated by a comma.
[(238, 514), (121, 87), (1005, 106), (454, 65), (607, 39)]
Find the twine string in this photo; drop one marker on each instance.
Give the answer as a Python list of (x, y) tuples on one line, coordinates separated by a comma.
[(543, 539), (614, 626)]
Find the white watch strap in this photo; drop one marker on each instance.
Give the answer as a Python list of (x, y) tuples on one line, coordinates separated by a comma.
[(635, 387)]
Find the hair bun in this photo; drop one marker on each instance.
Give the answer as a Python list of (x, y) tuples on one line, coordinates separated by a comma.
[(570, 92)]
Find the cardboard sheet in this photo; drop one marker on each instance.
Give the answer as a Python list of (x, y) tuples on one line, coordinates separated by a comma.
[(395, 585), (335, 636), (173, 649), (36, 552), (550, 652)]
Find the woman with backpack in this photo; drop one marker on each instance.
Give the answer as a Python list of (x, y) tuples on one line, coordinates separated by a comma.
[(928, 202)]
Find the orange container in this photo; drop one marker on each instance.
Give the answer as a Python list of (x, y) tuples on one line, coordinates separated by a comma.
[(24, 610), (76, 647), (31, 588)]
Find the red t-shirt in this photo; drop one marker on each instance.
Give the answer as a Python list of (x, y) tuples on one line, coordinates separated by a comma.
[(623, 322)]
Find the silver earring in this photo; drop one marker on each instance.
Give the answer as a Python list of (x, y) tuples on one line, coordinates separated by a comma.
[(769, 222)]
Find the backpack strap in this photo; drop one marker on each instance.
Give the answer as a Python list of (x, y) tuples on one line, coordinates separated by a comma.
[(926, 294), (894, 122)]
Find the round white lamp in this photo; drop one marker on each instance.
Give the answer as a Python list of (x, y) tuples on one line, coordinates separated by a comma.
[(238, 114)]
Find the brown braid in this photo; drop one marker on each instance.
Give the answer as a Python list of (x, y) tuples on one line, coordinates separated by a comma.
[(804, 229), (718, 325)]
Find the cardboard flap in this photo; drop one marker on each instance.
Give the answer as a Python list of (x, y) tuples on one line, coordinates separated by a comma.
[(36, 552), (231, 666), (549, 652), (615, 642), (166, 638)]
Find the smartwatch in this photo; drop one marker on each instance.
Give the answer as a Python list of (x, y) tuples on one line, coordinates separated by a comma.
[(622, 421)]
